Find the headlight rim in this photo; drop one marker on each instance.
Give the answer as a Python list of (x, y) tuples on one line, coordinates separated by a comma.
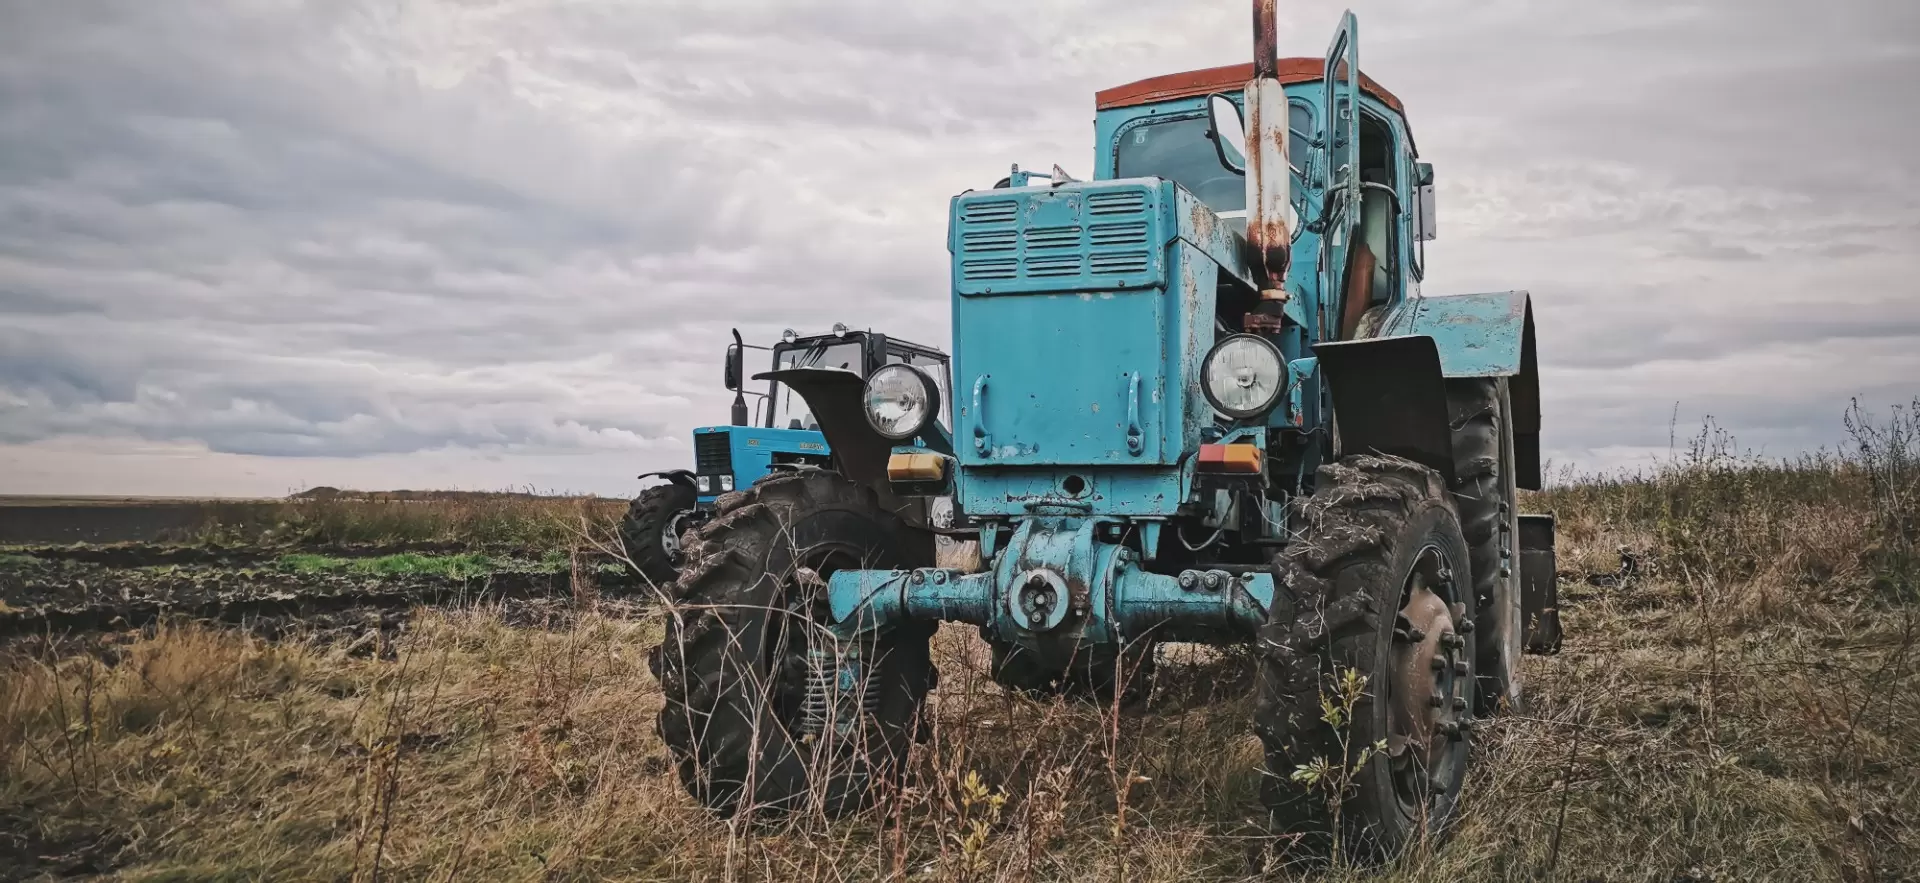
[(1280, 388), (927, 384)]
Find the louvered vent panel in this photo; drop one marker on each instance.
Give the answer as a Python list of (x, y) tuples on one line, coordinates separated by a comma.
[(1123, 202), (1119, 263), (976, 241), (993, 211), (985, 269)]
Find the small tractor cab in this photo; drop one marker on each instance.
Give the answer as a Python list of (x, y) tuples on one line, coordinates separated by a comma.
[(1198, 398), (779, 433)]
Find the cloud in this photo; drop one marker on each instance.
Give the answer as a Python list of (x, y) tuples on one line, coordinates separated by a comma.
[(297, 241)]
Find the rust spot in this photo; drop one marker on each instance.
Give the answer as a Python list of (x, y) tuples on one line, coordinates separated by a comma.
[(1262, 323)]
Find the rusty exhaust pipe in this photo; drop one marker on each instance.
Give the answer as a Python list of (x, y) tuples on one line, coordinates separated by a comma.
[(1270, 220)]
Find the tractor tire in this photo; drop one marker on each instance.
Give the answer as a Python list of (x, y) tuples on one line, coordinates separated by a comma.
[(1484, 495), (734, 661), (1089, 677), (652, 529), (1374, 586)]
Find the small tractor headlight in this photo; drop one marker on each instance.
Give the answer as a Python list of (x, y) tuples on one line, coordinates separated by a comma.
[(1244, 376), (901, 400), (704, 484), (726, 483)]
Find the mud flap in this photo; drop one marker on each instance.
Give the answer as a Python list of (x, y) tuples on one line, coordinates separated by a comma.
[(1539, 588), (1390, 397)]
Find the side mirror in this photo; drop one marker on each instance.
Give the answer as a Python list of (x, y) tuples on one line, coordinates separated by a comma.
[(736, 364), (1228, 129), (1423, 226)]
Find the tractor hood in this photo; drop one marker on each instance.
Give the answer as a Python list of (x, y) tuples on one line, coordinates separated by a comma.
[(1082, 313)]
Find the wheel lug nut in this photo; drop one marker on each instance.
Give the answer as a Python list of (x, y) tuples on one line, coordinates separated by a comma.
[(1437, 700), (1466, 626), (1438, 664), (1460, 668), (1459, 703)]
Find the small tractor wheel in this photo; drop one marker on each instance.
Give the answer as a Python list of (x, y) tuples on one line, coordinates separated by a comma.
[(1375, 587), (743, 645), (1484, 495), (1089, 677), (652, 530)]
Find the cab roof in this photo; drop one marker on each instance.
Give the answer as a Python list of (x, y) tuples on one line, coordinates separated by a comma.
[(1224, 79)]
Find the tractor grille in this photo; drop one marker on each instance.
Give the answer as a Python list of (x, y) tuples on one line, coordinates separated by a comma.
[(712, 453), (1056, 241)]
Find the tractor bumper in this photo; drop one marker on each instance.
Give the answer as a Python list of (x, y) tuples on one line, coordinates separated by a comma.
[(1054, 586)]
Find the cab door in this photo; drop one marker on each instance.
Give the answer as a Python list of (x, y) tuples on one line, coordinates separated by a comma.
[(1340, 171)]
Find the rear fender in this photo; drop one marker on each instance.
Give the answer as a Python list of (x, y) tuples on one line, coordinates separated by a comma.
[(837, 400), (1485, 335)]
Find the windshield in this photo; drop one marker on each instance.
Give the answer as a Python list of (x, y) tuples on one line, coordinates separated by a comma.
[(789, 409), (1180, 150)]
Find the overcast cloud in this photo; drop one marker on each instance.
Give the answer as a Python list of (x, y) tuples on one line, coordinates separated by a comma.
[(248, 246)]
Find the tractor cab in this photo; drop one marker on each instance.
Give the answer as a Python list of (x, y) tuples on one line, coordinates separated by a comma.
[(1188, 128)]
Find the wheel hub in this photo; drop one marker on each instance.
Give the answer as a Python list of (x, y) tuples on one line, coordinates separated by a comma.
[(1429, 678), (670, 534)]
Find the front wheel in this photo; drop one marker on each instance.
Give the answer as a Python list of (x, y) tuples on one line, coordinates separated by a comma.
[(744, 661), (1367, 684), (652, 529)]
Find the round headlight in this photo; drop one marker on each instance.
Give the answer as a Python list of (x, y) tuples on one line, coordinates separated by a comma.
[(1244, 376), (901, 399)]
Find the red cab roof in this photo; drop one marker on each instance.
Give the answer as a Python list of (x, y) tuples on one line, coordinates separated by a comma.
[(1221, 79)]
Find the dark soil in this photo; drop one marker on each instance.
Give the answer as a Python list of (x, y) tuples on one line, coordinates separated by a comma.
[(42, 596)]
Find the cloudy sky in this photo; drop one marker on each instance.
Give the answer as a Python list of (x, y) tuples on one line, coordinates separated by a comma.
[(249, 246)]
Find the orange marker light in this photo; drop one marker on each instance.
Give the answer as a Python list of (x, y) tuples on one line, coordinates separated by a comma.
[(916, 467), (1243, 459)]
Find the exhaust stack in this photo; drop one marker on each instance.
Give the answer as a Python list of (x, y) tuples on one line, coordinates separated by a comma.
[(1270, 220)]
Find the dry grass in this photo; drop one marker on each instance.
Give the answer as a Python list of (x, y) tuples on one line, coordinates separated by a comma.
[(520, 522), (1745, 707)]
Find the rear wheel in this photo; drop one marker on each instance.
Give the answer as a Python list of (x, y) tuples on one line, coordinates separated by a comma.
[(652, 530), (1483, 494), (1376, 587), (741, 663)]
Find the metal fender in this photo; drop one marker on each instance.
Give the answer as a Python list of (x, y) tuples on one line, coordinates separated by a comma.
[(838, 401), (836, 398), (677, 476), (1484, 335), (1390, 397)]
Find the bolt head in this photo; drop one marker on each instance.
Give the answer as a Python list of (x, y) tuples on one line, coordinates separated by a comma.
[(1459, 703), (1189, 579), (1438, 664), (1416, 634), (1437, 700), (1460, 668), (1466, 626)]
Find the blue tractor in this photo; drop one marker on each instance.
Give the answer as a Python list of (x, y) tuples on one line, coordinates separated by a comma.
[(1198, 398), (780, 434)]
